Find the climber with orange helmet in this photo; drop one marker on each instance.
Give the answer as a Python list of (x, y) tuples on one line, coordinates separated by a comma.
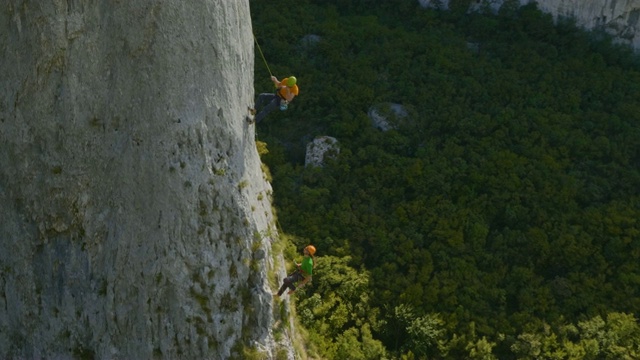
[(303, 272), (286, 90)]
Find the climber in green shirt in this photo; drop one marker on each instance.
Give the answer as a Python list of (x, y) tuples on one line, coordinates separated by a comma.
[(303, 272)]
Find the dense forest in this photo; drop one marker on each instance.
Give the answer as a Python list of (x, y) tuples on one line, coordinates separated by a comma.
[(499, 219)]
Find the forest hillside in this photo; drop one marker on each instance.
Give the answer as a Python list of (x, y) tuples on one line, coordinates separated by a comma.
[(498, 219)]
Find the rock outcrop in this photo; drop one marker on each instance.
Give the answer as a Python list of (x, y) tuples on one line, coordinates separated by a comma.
[(320, 149), (620, 18), (387, 116), (136, 221)]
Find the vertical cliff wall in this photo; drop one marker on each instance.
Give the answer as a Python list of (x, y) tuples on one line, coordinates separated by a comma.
[(135, 217), (619, 18)]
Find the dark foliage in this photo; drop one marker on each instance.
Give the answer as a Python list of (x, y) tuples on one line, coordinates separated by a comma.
[(504, 210)]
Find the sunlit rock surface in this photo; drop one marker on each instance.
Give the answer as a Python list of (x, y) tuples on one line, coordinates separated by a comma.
[(135, 217), (620, 18)]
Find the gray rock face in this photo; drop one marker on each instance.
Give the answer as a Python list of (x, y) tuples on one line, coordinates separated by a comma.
[(319, 148), (620, 18), (134, 211)]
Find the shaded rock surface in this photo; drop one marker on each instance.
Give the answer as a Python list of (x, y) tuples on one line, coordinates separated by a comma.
[(386, 116), (136, 218)]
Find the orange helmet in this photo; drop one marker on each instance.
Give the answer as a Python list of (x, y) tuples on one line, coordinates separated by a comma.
[(311, 249)]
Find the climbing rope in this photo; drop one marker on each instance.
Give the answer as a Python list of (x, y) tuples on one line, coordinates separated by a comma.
[(263, 58)]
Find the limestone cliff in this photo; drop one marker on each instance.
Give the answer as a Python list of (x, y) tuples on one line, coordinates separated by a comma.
[(135, 216), (620, 18)]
